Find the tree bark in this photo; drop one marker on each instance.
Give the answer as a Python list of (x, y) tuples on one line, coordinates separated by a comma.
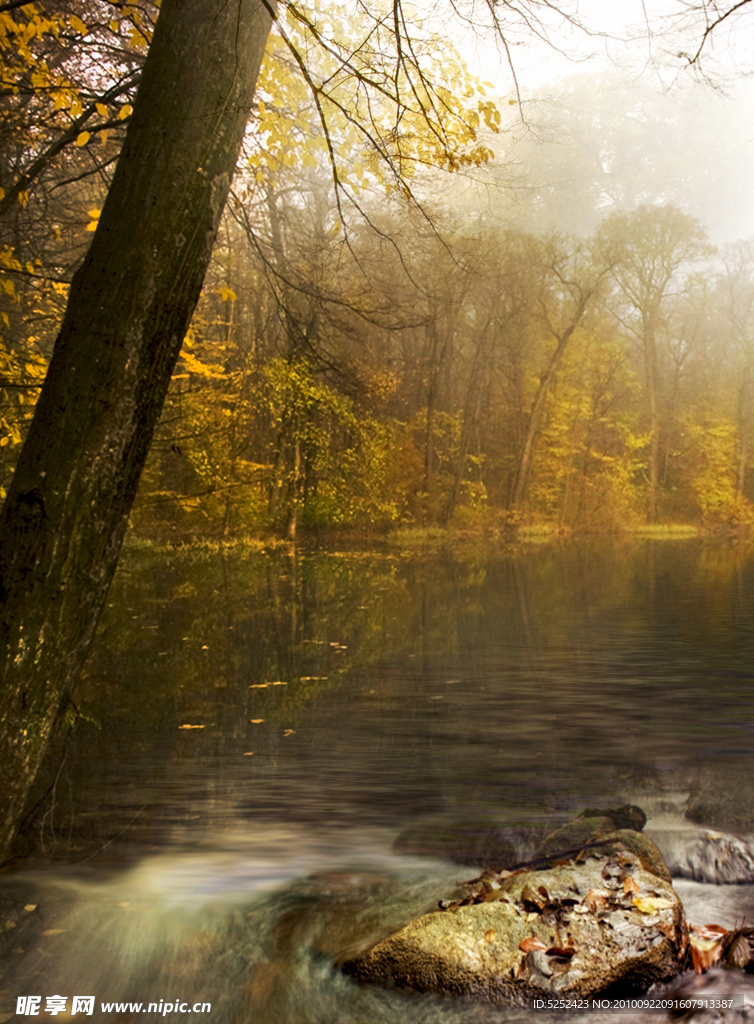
[(65, 516)]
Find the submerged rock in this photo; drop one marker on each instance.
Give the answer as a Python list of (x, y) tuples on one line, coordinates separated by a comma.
[(486, 841), (575, 930), (627, 816), (702, 854), (702, 992), (725, 801)]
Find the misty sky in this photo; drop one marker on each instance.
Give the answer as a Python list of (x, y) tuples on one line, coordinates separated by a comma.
[(635, 45)]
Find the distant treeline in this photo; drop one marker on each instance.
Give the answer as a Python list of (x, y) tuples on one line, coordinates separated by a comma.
[(418, 373)]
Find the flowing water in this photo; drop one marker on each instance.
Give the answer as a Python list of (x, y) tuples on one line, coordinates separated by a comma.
[(256, 730)]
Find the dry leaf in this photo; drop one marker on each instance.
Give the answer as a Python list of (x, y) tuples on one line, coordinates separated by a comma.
[(630, 885), (706, 941), (561, 953), (739, 952), (527, 945), (596, 898), (653, 904), (532, 900)]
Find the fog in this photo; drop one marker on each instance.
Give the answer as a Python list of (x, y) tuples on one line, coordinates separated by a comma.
[(607, 112)]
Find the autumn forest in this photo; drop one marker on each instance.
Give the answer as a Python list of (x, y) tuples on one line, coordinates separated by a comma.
[(472, 321)]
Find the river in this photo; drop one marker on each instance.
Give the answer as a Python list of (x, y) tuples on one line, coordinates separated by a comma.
[(257, 728)]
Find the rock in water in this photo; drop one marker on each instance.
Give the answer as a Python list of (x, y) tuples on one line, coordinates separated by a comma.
[(581, 832), (574, 930), (627, 816), (723, 797), (702, 854), (483, 840)]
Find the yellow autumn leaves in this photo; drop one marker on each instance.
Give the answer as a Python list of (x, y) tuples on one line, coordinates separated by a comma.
[(362, 105)]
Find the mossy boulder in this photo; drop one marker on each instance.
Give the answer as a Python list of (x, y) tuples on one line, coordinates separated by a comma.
[(598, 828), (574, 931)]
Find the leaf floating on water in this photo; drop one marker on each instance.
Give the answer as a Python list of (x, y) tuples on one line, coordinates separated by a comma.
[(532, 943), (190, 726), (288, 732), (124, 903), (256, 721), (30, 907), (258, 686), (249, 753), (706, 941), (278, 682), (55, 931)]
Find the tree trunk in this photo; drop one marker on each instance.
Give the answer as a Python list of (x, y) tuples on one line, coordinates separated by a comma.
[(130, 303), (652, 376), (470, 416), (537, 413)]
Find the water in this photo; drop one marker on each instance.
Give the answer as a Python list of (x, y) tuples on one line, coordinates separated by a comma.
[(334, 697)]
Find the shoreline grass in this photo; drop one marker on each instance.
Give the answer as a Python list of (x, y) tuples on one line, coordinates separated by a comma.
[(494, 531)]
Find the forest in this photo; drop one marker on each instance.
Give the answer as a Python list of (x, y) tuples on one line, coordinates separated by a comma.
[(528, 328), (328, 312)]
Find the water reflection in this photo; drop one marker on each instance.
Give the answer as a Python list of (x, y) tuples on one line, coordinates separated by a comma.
[(267, 723), (376, 685)]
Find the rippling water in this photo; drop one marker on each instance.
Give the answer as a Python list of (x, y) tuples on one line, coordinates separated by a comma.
[(333, 698)]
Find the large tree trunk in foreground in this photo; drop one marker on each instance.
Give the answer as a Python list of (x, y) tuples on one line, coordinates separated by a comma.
[(64, 519)]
